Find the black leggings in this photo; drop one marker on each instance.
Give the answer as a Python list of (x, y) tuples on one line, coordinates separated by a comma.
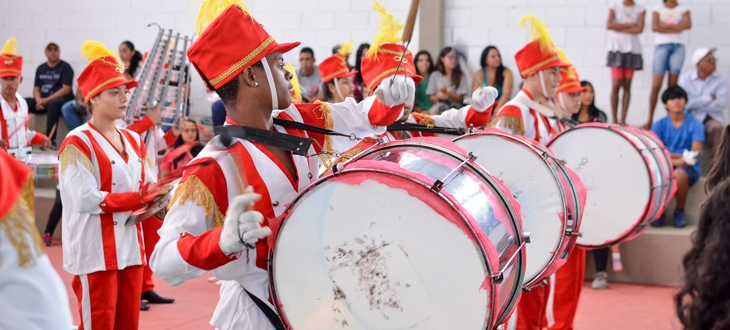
[(600, 256), (55, 215)]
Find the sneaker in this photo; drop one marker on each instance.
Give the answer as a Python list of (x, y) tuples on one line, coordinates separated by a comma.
[(616, 263), (658, 222), (679, 219), (47, 239), (600, 282)]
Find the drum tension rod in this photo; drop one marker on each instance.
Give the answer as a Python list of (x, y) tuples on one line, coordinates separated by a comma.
[(439, 184), (573, 233)]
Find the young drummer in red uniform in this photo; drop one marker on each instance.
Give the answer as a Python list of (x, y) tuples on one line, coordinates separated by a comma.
[(14, 133), (104, 177), (568, 97)]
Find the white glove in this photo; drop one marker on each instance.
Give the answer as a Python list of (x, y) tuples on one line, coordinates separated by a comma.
[(242, 226), (690, 157), (403, 91), (483, 98)]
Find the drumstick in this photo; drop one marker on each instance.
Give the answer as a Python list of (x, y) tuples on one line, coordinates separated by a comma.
[(53, 130), (408, 33)]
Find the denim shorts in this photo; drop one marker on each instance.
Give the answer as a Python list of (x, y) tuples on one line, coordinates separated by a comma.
[(668, 57), (692, 173)]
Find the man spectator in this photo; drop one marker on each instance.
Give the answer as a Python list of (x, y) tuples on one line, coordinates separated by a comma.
[(308, 75), (52, 88), (707, 91)]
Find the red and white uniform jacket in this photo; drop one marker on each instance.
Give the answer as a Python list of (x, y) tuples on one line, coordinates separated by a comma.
[(153, 142), (517, 118), (14, 118), (558, 126), (188, 245), (100, 187)]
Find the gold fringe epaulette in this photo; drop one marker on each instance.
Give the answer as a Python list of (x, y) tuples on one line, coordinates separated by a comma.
[(193, 189), (19, 224), (425, 119), (70, 155), (513, 123), (326, 114)]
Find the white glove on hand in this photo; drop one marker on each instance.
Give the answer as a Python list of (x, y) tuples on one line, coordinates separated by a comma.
[(690, 157), (403, 91), (242, 226), (483, 98)]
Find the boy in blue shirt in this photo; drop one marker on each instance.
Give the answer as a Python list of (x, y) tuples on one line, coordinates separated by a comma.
[(683, 136)]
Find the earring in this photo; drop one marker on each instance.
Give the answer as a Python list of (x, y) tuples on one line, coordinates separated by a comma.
[(256, 83)]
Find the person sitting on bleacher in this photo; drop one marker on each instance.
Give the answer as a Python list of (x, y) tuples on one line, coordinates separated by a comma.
[(683, 136)]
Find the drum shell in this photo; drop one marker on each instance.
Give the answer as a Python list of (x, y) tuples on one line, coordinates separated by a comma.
[(44, 166)]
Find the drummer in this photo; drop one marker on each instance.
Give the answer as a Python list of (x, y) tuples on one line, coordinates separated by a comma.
[(15, 136), (104, 177), (336, 76), (539, 65), (239, 60), (568, 98)]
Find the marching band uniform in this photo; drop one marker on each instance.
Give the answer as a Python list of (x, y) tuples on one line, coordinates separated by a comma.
[(517, 118), (32, 294), (100, 187), (192, 231), (569, 83), (14, 115)]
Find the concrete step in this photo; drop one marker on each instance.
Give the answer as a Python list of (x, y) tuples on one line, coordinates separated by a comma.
[(695, 198)]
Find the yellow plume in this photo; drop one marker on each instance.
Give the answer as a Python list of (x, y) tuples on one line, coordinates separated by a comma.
[(388, 30), (296, 87), (11, 47), (94, 50), (538, 31), (346, 48), (569, 71), (211, 9)]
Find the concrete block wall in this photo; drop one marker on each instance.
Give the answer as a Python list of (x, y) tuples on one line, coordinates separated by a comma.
[(579, 27), (319, 24)]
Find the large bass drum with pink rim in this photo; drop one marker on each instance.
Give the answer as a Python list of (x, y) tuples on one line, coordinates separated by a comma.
[(407, 234), (549, 194), (627, 175)]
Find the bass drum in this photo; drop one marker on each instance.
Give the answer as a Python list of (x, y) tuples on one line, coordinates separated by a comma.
[(623, 176), (549, 194), (408, 234)]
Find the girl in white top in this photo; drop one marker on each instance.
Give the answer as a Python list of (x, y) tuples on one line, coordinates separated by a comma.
[(669, 21), (625, 23)]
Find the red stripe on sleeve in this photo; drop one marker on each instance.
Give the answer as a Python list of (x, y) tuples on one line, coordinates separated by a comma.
[(203, 251), (382, 115)]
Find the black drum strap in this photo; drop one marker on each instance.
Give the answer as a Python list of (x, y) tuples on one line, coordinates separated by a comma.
[(426, 129), (270, 314)]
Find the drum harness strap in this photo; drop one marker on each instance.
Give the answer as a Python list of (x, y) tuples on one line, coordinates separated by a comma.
[(270, 314), (400, 126)]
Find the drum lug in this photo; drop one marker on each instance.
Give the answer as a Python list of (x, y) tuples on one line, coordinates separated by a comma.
[(337, 169), (573, 233), (526, 237), (439, 184), (497, 278)]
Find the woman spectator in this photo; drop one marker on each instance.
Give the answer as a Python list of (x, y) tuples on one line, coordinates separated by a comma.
[(589, 113), (424, 66), (185, 148), (720, 169), (625, 24), (703, 302), (493, 73), (336, 78), (361, 88), (447, 86), (131, 58)]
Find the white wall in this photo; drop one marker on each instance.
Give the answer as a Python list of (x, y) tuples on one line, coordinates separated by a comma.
[(579, 27), (319, 24)]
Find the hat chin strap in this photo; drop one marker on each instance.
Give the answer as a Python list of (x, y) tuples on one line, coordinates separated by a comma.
[(562, 103), (337, 88), (542, 84), (272, 85)]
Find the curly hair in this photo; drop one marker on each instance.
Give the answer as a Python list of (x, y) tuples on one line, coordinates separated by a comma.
[(721, 164), (703, 302)]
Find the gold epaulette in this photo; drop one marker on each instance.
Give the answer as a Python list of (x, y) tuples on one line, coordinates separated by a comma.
[(70, 155), (513, 123), (19, 222), (327, 150), (193, 189)]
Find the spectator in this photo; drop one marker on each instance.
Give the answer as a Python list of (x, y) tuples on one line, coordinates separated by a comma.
[(185, 152), (360, 87), (448, 85), (131, 58), (707, 92), (669, 21), (625, 24), (75, 112), (52, 88), (720, 169), (683, 136), (703, 302), (589, 113), (308, 74), (493, 73), (424, 66)]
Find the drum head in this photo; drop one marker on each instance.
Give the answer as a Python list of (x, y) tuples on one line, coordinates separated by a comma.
[(344, 258), (616, 179), (534, 186)]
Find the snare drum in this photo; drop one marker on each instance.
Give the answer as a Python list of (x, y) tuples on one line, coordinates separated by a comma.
[(625, 179), (408, 234), (45, 166), (550, 196)]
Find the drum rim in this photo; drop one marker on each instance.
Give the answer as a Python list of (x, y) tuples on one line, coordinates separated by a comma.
[(640, 222), (492, 314), (543, 154)]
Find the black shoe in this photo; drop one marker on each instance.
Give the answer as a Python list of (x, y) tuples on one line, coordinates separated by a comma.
[(144, 306), (153, 298)]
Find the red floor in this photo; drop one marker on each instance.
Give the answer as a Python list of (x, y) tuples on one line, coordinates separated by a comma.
[(622, 306)]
